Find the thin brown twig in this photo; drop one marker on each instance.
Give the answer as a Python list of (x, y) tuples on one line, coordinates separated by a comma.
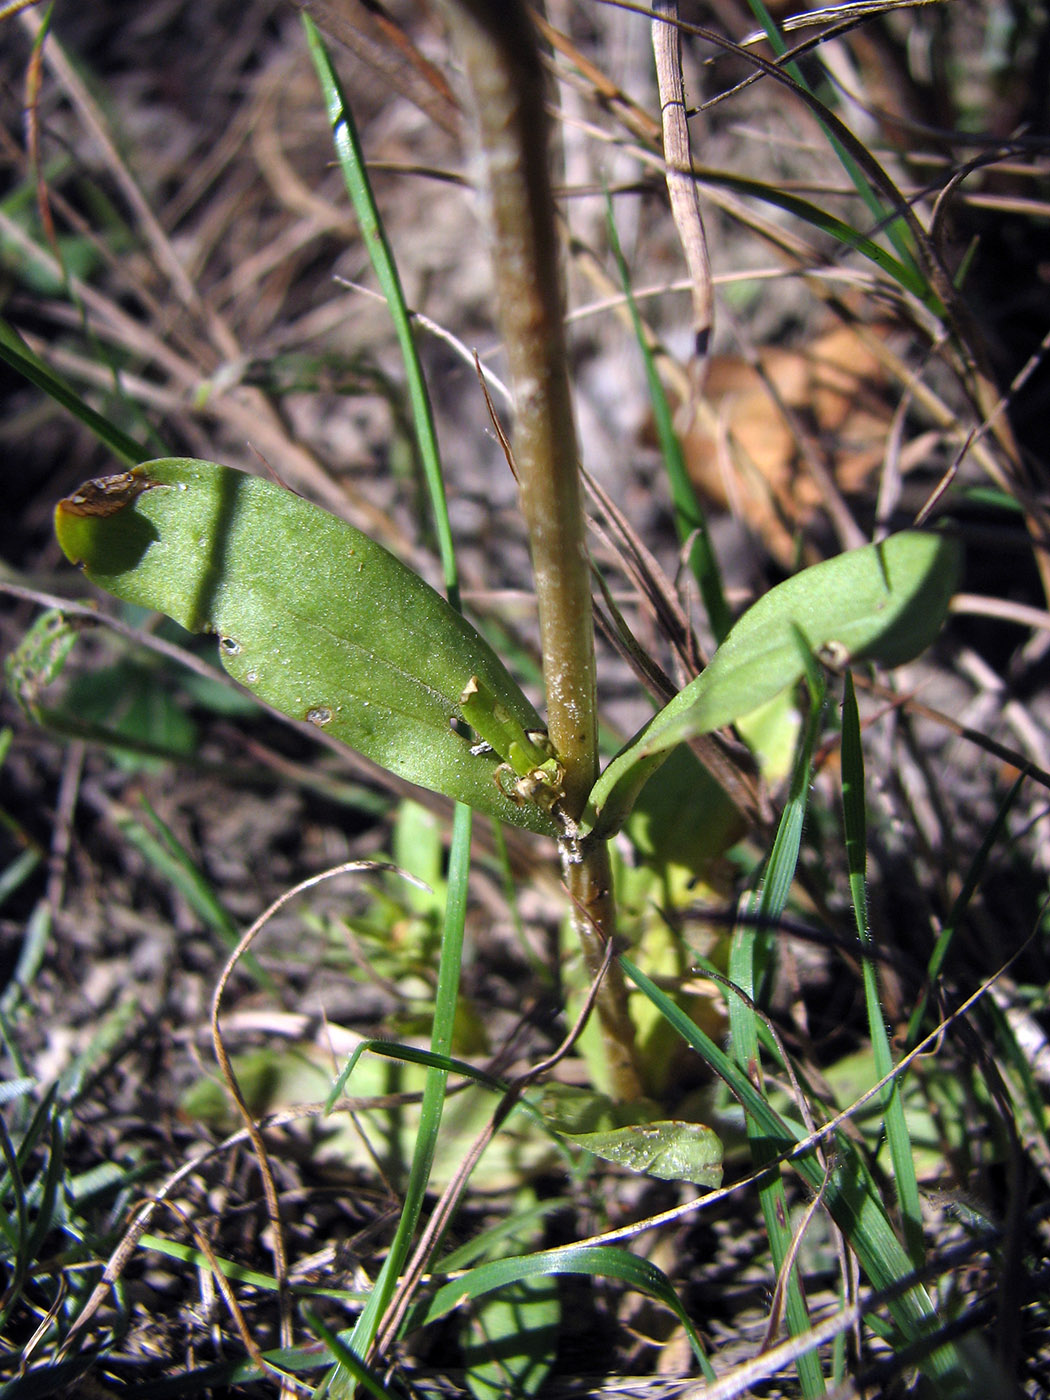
[(780, 1292), (62, 835), (226, 1068), (978, 605)]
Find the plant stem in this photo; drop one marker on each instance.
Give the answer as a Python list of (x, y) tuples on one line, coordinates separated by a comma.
[(497, 47)]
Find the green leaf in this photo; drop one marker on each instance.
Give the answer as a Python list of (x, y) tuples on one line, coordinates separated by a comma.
[(883, 602), (508, 1339), (313, 617), (598, 1261), (39, 659), (631, 1136), (683, 817), (672, 1149)]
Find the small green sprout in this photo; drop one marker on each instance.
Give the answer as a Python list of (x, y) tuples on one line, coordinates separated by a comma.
[(39, 659)]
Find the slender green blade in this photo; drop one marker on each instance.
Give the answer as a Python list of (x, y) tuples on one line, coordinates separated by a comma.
[(690, 519), (355, 174), (849, 1195), (15, 353), (854, 823)]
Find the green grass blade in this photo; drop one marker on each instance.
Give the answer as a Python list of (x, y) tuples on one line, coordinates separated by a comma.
[(895, 226), (508, 1340), (903, 273), (368, 1323), (18, 871), (16, 1226), (162, 848), (412, 1055), (689, 516), (750, 952), (30, 958), (189, 1254), (1016, 1069), (355, 174), (604, 1261), (15, 353), (959, 906), (491, 1242), (45, 1194), (849, 1197), (897, 1135), (347, 1358)]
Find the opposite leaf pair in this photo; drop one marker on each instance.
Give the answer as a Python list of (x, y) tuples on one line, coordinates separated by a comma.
[(327, 626)]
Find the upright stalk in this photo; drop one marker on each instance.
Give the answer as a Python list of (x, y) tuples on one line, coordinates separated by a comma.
[(497, 47)]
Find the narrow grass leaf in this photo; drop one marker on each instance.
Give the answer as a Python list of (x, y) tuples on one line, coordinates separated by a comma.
[(43, 1196), (849, 1196), (750, 952), (892, 1101), (903, 272), (489, 1243), (896, 227), (162, 848), (355, 174), (15, 1223), (412, 1055), (1016, 1067), (12, 1089), (348, 1359), (189, 1254), (14, 875), (599, 1261), (15, 353), (31, 956), (449, 968), (508, 1339), (689, 516), (971, 880)]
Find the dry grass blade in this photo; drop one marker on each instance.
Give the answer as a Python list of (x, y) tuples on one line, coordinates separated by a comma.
[(681, 186), (728, 762), (383, 45), (654, 588)]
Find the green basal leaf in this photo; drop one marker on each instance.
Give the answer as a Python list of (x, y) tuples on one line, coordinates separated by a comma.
[(884, 602), (672, 1149), (631, 1136), (312, 616)]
